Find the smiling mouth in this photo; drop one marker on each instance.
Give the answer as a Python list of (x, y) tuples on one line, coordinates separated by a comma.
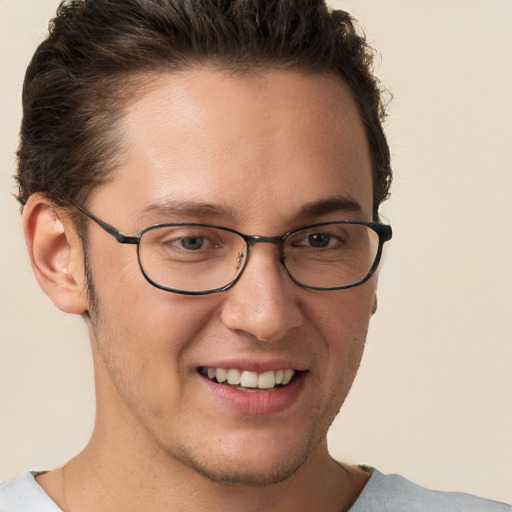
[(245, 380)]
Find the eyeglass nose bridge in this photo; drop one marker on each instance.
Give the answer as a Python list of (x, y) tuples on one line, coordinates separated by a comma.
[(251, 240), (258, 239)]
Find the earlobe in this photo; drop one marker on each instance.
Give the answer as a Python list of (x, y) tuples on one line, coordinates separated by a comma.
[(55, 253)]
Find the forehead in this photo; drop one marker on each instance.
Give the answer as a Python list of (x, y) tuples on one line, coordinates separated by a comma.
[(243, 142)]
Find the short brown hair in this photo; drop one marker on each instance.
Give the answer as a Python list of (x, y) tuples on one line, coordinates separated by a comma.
[(82, 75)]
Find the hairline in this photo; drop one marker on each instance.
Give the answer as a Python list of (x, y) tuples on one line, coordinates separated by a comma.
[(133, 90)]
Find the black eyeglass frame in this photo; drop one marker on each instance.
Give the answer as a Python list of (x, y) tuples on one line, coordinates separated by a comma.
[(384, 232)]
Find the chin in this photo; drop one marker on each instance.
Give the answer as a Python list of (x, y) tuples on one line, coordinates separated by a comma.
[(254, 467), (263, 475)]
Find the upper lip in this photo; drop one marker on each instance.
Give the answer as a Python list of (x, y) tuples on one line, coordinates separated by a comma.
[(256, 365)]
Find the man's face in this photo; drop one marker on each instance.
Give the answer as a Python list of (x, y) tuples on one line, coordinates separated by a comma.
[(251, 153)]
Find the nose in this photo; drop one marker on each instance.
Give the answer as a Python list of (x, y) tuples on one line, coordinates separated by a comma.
[(264, 302)]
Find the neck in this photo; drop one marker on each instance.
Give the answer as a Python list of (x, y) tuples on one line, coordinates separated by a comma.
[(105, 478)]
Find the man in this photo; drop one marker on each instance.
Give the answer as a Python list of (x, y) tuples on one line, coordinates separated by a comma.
[(201, 182)]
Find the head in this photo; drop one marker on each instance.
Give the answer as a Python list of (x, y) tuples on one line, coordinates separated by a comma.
[(255, 116)]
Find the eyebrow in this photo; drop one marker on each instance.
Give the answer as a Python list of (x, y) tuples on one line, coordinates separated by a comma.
[(328, 205), (186, 209), (198, 209)]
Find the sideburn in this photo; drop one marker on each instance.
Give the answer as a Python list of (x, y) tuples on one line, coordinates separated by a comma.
[(93, 310)]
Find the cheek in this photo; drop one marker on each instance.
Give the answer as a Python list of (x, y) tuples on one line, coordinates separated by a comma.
[(344, 317), (344, 326), (141, 333), (148, 321), (132, 308), (142, 340)]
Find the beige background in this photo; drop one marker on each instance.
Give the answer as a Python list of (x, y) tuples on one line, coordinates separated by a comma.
[(433, 398)]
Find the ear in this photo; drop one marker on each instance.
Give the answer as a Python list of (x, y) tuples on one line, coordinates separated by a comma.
[(55, 252)]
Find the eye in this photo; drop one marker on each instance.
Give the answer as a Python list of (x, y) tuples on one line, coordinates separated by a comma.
[(182, 240), (316, 240), (191, 243), (319, 240)]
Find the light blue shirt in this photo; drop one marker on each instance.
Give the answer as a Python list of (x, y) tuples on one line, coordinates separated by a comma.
[(382, 493)]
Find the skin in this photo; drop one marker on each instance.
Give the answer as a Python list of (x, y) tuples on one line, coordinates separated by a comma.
[(258, 148)]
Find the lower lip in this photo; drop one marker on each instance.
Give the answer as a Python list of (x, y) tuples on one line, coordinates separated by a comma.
[(256, 402)]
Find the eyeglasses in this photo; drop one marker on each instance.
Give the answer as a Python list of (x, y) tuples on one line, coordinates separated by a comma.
[(198, 259)]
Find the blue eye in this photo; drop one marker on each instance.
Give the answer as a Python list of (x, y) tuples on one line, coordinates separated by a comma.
[(192, 243)]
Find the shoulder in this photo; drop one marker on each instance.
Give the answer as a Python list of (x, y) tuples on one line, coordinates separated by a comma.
[(23, 494), (394, 493)]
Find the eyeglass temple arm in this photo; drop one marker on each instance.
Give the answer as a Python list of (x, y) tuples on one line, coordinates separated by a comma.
[(120, 237)]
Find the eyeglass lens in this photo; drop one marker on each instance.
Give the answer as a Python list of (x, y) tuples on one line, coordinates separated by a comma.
[(199, 258)]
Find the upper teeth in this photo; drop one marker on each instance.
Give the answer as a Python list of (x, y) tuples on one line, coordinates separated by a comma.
[(247, 379)]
